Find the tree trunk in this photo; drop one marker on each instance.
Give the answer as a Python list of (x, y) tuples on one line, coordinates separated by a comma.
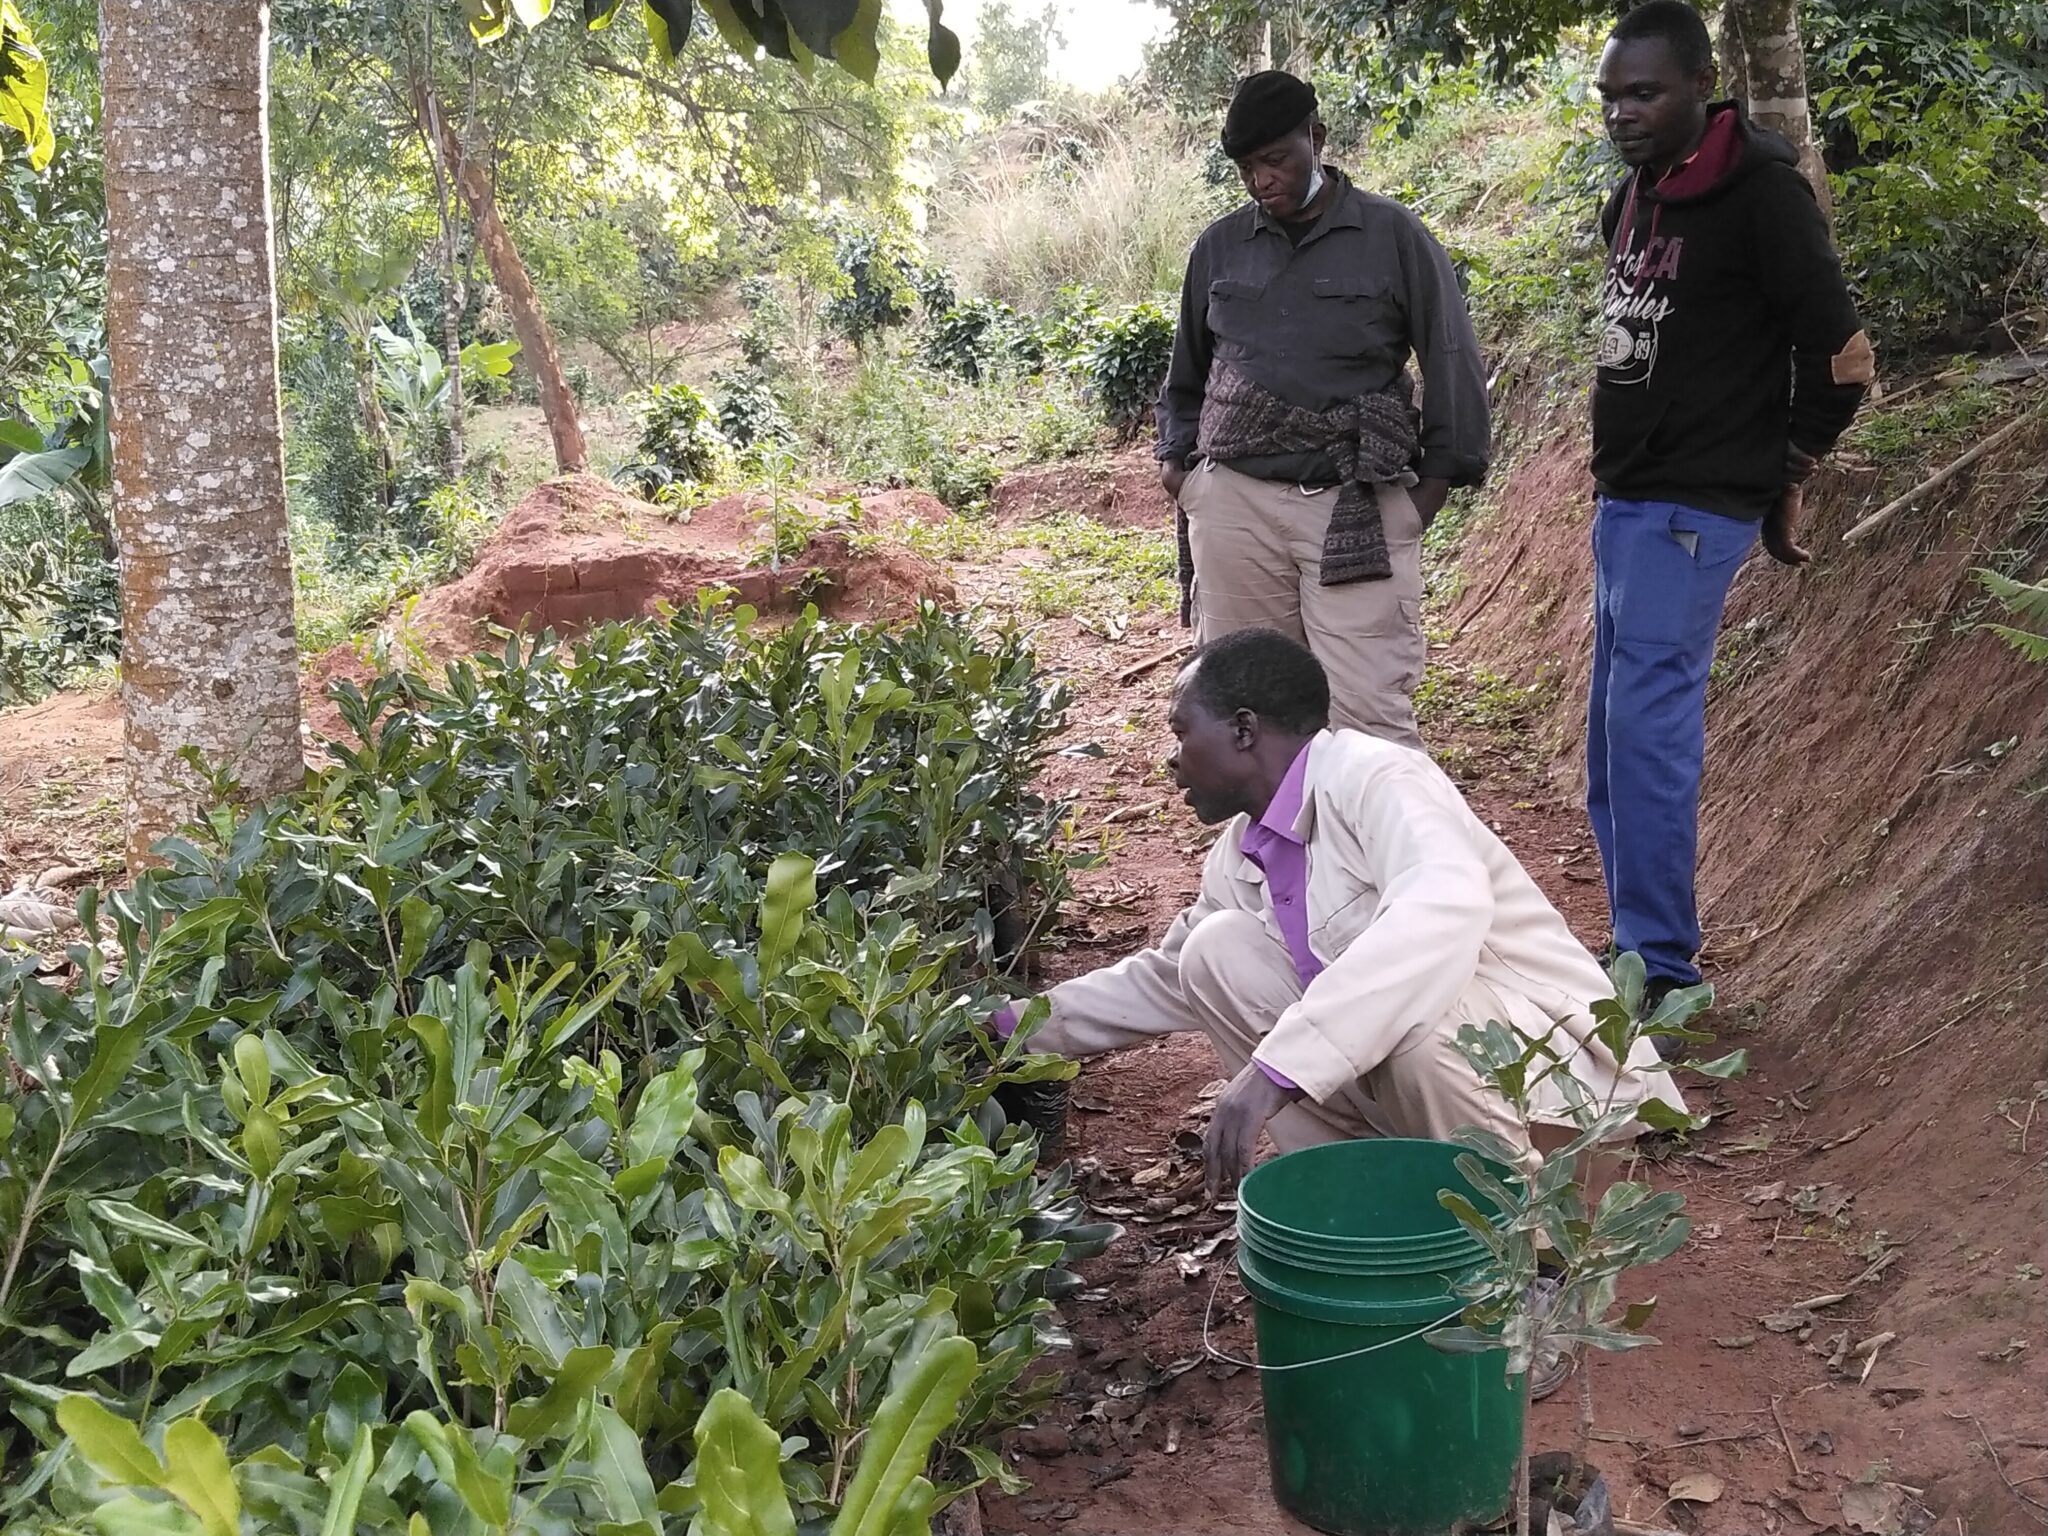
[(536, 337), (357, 322), (451, 279), (1766, 62), (209, 655)]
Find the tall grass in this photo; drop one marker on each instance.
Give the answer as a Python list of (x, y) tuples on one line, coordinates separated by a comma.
[(1019, 224)]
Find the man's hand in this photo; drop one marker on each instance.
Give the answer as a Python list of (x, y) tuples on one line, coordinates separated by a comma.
[(1780, 523), (1233, 1135), (1799, 464), (1429, 497), (1173, 476)]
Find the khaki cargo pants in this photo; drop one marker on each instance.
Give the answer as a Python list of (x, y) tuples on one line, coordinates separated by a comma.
[(1258, 548), (1238, 979)]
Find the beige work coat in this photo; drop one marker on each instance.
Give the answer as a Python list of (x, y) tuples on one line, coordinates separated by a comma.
[(1411, 899)]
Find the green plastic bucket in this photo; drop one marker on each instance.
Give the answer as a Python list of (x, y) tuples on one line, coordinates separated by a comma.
[(1372, 1430)]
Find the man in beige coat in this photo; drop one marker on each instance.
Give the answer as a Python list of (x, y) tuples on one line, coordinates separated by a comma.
[(1353, 914)]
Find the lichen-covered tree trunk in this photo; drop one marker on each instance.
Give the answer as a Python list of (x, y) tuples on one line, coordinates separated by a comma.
[(209, 655), (1766, 66), (529, 322)]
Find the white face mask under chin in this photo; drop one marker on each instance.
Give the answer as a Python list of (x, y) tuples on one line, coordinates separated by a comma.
[(1315, 186)]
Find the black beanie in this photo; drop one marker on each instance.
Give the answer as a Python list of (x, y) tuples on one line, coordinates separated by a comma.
[(1267, 106)]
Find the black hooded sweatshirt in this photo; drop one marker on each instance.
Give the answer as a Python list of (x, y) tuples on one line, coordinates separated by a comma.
[(1726, 328)]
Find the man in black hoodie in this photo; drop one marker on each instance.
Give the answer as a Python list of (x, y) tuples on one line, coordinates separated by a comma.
[(1730, 360)]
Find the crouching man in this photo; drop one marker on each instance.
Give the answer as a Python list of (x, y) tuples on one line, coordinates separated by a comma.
[(1353, 915)]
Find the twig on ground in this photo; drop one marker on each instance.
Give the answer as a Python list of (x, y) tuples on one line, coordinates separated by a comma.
[(1786, 1435), (1630, 1528), (1976, 1002), (1138, 669), (2034, 1505), (1935, 481), (1491, 592), (1679, 1445), (1132, 812)]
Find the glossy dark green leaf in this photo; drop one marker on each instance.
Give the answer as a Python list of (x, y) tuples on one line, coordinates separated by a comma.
[(553, 1414), (739, 1471)]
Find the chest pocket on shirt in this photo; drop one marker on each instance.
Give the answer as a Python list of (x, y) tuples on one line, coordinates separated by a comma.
[(1341, 928), (1357, 315), (1234, 308)]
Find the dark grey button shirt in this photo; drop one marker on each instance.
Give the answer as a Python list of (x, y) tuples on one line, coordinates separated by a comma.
[(1318, 323)]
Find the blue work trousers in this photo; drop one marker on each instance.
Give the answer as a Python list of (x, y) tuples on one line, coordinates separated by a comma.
[(1661, 574)]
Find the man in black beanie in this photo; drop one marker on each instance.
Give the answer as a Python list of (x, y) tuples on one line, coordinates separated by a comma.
[(1288, 434)]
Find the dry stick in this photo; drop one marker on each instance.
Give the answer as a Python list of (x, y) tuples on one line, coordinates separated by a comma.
[(1679, 1445), (1786, 1436), (1886, 513), (1477, 608), (1138, 669), (2034, 1505), (1950, 1022), (1630, 1528)]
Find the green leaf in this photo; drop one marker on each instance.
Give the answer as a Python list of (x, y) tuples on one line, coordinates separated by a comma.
[(553, 1413), (746, 1178), (739, 1471), (486, 1492), (531, 1309), (1734, 1064), (110, 1444), (114, 1052), (139, 1223), (346, 1492), (668, 24), (662, 1117), (857, 50), (582, 1202), (623, 1484), (882, 1158), (110, 1349), (639, 1393), (899, 1439), (791, 894), (32, 476), (353, 1403), (143, 1517), (1659, 1116), (418, 921), (252, 1065), (197, 1471), (437, 1103)]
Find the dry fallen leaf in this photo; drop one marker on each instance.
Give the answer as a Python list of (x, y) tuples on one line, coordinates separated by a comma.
[(1696, 1488), (1738, 1341), (1764, 1194), (1874, 1509), (1787, 1322)]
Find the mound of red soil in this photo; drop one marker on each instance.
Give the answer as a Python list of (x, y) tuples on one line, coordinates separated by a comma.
[(580, 551), (1122, 489)]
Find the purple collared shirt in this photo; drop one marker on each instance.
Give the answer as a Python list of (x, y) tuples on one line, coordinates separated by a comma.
[(1272, 843)]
